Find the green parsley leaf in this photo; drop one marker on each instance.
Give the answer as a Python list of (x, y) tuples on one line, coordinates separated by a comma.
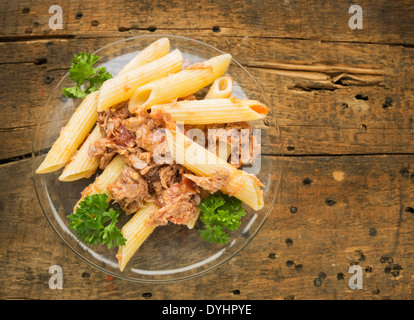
[(220, 212), (83, 72), (94, 224)]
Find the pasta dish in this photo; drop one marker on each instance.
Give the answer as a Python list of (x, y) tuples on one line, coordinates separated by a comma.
[(160, 148)]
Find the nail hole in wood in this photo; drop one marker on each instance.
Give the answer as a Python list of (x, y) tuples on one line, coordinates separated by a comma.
[(317, 282), (387, 259), (361, 97), (152, 28), (216, 29), (290, 263), (307, 181), (25, 10), (79, 15), (290, 148), (289, 242), (40, 61), (396, 268), (387, 103), (48, 79), (94, 23), (404, 172), (372, 232), (410, 210), (272, 256), (298, 267), (361, 255)]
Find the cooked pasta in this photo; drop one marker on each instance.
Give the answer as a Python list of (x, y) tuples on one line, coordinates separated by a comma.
[(82, 165), (152, 103), (204, 163), (221, 88), (210, 111), (72, 135), (84, 118), (181, 84), (120, 88), (108, 176), (152, 52), (136, 232)]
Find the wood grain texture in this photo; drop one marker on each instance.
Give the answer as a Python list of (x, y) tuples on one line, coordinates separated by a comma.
[(345, 105), (338, 206), (342, 118), (384, 22)]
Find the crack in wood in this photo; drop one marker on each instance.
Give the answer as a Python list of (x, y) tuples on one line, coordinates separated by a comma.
[(323, 75), (20, 38), (121, 29)]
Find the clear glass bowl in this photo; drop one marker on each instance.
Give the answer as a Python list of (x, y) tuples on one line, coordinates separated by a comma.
[(173, 252)]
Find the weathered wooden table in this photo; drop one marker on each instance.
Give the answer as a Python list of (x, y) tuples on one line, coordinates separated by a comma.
[(344, 100)]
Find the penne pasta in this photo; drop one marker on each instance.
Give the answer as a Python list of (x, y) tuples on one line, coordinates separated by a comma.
[(150, 96), (82, 165), (109, 175), (136, 232), (181, 84), (84, 118), (221, 88), (204, 163), (209, 111), (72, 135), (153, 52), (121, 88)]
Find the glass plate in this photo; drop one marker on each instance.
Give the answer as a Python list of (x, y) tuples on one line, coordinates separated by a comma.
[(172, 252)]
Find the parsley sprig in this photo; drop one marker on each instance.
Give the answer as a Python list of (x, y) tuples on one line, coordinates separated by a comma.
[(94, 224), (220, 212), (82, 72)]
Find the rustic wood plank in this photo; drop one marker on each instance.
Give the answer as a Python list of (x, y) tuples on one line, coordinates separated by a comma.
[(349, 210), (383, 22), (341, 118), (336, 91)]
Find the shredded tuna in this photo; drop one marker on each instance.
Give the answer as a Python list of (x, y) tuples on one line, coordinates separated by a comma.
[(172, 187), (170, 174), (130, 190), (179, 204), (247, 154), (214, 183), (104, 149)]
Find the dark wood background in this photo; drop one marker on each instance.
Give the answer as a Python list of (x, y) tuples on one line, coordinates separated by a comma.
[(345, 104)]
